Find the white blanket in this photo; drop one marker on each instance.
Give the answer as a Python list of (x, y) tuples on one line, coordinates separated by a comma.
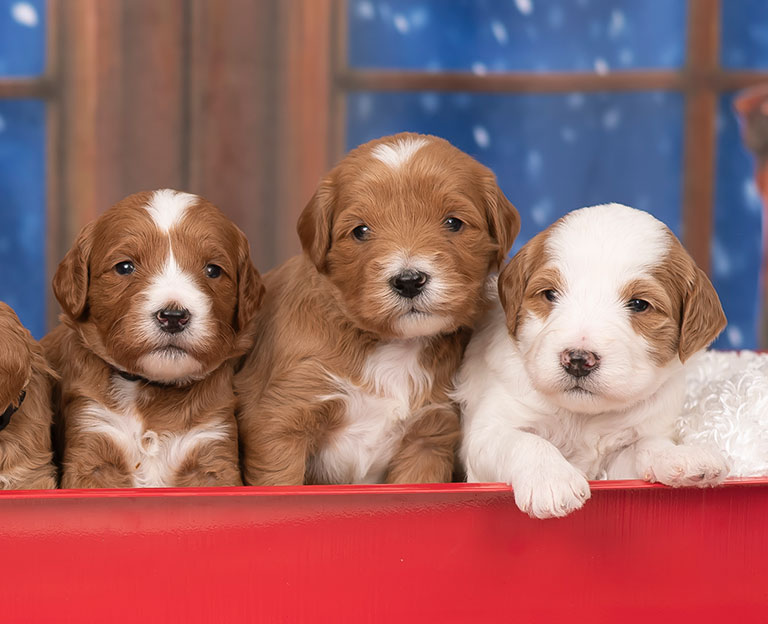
[(727, 406)]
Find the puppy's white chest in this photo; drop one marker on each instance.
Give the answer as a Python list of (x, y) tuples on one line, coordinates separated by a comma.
[(377, 414), (590, 444), (152, 457)]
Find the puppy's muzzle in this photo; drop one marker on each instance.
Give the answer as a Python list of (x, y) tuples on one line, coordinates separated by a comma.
[(409, 283), (172, 320), (579, 363)]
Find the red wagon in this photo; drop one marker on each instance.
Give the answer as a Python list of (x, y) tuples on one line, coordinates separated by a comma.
[(442, 553)]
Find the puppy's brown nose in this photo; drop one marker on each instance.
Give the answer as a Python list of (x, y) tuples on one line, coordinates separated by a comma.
[(409, 283), (172, 320), (579, 363)]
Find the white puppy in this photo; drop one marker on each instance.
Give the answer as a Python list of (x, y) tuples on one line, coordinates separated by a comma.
[(578, 373)]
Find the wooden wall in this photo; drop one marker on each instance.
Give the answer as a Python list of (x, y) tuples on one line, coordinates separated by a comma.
[(229, 99)]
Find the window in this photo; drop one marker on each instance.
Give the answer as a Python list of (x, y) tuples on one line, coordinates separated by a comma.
[(578, 102), (22, 160)]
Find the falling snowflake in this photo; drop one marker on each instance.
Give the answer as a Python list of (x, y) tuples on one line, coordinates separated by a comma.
[(25, 14), (499, 32), (541, 212), (365, 10), (364, 106), (626, 56), (575, 100), (430, 102), (401, 23), (479, 68), (617, 23), (734, 335), (482, 138), (568, 134), (524, 6), (721, 262), (601, 66), (751, 195), (611, 119), (533, 163), (555, 17)]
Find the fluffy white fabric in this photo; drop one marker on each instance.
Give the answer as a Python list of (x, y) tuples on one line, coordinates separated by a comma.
[(727, 406)]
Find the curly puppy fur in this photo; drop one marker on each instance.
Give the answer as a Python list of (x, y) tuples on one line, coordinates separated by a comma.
[(156, 294), (26, 457), (360, 336)]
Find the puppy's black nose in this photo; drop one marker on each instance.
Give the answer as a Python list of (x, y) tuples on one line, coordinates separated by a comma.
[(173, 321), (579, 363), (409, 283)]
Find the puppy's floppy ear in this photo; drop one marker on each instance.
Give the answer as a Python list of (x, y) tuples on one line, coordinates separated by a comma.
[(503, 218), (314, 226), (702, 316), (250, 287), (70, 283), (512, 282)]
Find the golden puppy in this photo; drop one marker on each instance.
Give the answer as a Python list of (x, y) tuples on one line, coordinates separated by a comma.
[(155, 294), (26, 457), (360, 336)]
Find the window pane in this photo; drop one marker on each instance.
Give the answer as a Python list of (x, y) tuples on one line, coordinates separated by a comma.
[(512, 35), (745, 34), (22, 210), (736, 248), (551, 153), (22, 37)]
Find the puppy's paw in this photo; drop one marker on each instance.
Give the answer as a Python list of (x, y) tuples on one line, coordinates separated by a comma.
[(552, 490), (686, 466)]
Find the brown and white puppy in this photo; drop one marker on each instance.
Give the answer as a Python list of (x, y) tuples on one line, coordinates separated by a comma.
[(360, 336), (26, 456), (155, 294), (579, 372)]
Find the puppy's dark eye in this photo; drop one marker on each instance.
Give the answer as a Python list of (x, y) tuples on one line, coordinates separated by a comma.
[(361, 232), (638, 305), (124, 268), (453, 224), (212, 270), (550, 295)]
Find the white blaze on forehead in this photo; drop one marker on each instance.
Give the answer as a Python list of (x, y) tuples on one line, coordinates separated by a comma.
[(167, 207), (400, 152), (606, 246)]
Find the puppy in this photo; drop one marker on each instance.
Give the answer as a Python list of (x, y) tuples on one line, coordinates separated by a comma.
[(26, 456), (579, 373), (360, 336), (155, 294)]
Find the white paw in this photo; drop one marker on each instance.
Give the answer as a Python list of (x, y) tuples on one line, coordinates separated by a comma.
[(551, 490), (683, 465)]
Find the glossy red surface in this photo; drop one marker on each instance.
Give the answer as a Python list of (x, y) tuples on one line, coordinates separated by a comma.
[(447, 553)]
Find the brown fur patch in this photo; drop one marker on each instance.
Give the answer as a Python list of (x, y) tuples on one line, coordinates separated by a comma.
[(523, 280), (659, 324), (326, 311), (700, 316), (26, 457)]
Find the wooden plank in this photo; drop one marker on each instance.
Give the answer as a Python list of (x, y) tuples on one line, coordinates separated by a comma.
[(339, 67), (232, 120), (90, 150), (118, 130), (54, 217), (304, 112), (152, 101), (700, 137), (523, 82), (38, 88), (517, 82)]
